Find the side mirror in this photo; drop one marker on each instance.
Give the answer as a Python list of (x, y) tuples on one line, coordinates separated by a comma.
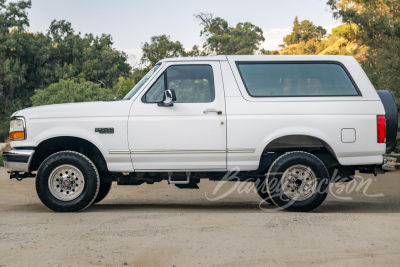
[(169, 98)]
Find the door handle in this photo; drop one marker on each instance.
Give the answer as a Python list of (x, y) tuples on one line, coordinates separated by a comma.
[(212, 110)]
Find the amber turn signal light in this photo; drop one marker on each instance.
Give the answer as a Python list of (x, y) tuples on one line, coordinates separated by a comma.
[(17, 135)]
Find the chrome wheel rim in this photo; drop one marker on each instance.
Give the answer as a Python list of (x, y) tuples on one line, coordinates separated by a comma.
[(299, 182), (66, 182)]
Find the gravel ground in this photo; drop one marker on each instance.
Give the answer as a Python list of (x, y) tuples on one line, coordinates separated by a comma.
[(161, 225)]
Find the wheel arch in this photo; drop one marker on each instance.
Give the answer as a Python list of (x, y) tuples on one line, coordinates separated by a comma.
[(297, 142), (61, 143)]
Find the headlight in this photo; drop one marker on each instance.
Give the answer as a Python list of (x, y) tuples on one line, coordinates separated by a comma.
[(17, 129)]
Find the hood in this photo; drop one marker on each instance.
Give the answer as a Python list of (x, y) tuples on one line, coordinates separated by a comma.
[(72, 110)]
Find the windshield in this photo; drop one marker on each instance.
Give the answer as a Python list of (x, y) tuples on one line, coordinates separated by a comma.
[(139, 85)]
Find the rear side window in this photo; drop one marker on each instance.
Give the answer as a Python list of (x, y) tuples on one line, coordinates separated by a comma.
[(296, 79)]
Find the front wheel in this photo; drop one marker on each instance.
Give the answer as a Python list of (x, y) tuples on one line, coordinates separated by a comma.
[(67, 181), (103, 192), (297, 181)]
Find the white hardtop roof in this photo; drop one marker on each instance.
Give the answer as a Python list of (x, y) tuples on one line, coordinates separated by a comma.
[(208, 58), (262, 58)]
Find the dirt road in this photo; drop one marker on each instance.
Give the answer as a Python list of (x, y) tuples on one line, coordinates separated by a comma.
[(161, 225)]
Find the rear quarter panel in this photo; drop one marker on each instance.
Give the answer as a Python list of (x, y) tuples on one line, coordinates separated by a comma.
[(252, 123)]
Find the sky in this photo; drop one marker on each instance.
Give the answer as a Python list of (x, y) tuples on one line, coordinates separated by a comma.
[(133, 22)]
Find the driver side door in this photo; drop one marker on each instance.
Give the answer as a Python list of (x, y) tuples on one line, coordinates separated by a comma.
[(190, 134)]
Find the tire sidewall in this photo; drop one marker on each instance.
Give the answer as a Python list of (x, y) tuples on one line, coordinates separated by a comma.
[(260, 185), (77, 160), (104, 189), (281, 165)]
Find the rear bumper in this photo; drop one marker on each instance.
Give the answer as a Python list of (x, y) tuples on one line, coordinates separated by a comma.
[(389, 162), (17, 160)]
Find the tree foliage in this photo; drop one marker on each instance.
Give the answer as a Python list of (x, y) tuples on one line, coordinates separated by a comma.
[(68, 91), (379, 24), (85, 57), (13, 58), (305, 39), (123, 86), (30, 61), (161, 47), (349, 31), (13, 15), (221, 39), (303, 32)]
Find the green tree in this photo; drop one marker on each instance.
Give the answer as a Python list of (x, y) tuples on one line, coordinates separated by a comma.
[(14, 76), (13, 15), (221, 39), (139, 72), (30, 61), (86, 57), (68, 91), (195, 52), (294, 36), (303, 32), (349, 31), (379, 24), (160, 47), (123, 86)]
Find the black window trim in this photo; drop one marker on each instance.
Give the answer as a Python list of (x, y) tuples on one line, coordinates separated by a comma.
[(299, 62), (165, 85)]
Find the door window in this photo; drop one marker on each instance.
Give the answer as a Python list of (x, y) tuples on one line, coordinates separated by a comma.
[(191, 83)]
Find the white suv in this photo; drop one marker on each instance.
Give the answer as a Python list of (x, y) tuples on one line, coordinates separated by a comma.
[(292, 123)]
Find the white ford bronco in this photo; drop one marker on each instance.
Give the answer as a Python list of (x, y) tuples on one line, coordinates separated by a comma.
[(291, 124)]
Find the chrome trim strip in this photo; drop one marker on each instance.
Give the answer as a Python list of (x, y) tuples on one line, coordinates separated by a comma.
[(181, 151), (180, 170), (116, 151), (175, 151), (241, 150)]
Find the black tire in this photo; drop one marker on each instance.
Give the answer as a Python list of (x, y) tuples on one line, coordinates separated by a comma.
[(391, 115), (103, 192), (261, 189), (300, 171), (55, 198)]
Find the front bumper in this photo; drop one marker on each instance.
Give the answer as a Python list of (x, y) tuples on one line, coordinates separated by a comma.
[(17, 160)]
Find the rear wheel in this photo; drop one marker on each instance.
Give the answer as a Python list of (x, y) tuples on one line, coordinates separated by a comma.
[(261, 188), (67, 181), (297, 181)]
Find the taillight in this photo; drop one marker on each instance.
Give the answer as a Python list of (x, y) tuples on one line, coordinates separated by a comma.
[(381, 126)]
